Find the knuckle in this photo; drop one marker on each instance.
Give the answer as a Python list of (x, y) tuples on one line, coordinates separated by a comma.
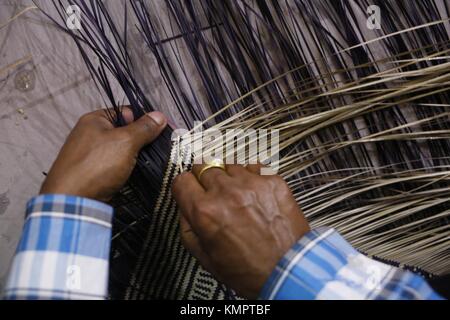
[(222, 180), (277, 180), (204, 214), (202, 208), (280, 185), (236, 169), (238, 195), (146, 126), (149, 126), (256, 183), (85, 118)]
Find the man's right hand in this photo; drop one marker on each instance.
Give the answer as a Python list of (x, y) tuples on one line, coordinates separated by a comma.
[(237, 223)]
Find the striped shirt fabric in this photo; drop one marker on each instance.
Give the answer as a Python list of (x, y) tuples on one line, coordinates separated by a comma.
[(64, 250), (64, 254), (323, 266)]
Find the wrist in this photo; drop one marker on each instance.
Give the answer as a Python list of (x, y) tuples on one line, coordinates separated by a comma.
[(74, 190), (50, 203)]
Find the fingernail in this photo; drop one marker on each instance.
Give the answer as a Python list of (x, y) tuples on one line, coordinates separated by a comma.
[(158, 117)]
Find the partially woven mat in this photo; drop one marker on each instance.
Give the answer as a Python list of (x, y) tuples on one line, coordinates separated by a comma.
[(164, 268), (363, 114)]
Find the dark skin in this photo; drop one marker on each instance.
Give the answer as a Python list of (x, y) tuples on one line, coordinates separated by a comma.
[(97, 159), (236, 222)]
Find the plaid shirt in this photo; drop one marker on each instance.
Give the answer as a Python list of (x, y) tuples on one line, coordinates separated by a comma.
[(322, 265), (64, 250), (64, 254)]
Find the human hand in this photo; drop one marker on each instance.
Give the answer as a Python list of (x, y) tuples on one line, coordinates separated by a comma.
[(237, 223), (97, 158)]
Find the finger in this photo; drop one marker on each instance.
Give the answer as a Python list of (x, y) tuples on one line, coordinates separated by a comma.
[(208, 178), (99, 119), (146, 129), (192, 243), (186, 191), (236, 170), (255, 168), (188, 237), (105, 118), (127, 114)]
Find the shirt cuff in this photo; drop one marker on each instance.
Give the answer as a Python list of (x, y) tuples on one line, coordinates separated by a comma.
[(64, 250), (323, 265)]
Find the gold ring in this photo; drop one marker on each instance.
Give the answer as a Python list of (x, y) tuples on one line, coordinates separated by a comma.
[(215, 164)]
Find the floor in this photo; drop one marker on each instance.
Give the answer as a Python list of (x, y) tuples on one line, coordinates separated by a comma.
[(44, 88)]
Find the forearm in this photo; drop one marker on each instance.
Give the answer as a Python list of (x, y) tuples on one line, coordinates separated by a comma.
[(322, 265), (64, 250)]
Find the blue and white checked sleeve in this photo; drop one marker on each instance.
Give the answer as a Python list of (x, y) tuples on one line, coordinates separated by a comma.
[(64, 250), (322, 265)]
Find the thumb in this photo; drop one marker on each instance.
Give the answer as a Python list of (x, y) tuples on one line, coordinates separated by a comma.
[(146, 129)]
